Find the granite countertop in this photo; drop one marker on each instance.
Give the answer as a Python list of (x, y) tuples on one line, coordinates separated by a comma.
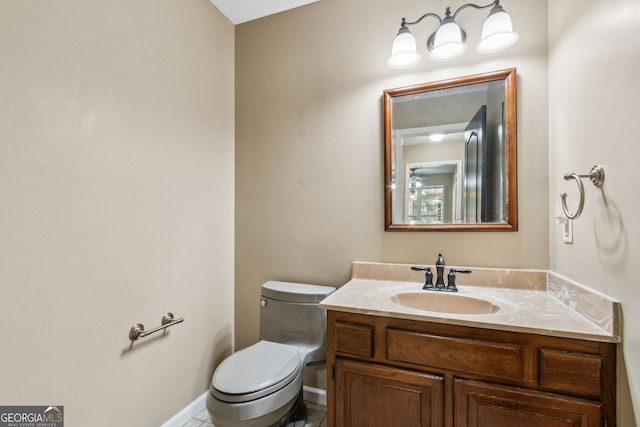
[(531, 301)]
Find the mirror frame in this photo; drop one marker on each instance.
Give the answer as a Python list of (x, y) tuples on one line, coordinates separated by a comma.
[(509, 77)]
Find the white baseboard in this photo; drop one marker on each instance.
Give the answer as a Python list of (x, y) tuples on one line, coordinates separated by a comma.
[(315, 395), (189, 411)]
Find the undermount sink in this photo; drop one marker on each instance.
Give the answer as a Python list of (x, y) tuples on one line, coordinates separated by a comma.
[(444, 303)]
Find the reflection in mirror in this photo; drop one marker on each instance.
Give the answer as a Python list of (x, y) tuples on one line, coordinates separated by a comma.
[(450, 154)]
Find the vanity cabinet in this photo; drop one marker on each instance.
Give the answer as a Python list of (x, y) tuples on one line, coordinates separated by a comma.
[(385, 371)]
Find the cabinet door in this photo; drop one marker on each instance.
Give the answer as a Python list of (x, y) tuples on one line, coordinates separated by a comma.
[(480, 404), (369, 395)]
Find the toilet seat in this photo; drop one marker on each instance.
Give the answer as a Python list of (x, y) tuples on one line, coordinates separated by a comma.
[(256, 371)]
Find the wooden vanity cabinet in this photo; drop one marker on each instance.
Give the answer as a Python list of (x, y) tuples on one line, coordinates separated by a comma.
[(385, 372)]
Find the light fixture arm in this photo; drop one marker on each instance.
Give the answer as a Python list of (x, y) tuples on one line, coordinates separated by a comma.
[(475, 6), (404, 22), (447, 13)]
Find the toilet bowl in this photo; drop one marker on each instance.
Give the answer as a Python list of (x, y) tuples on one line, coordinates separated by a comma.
[(261, 385), (256, 386)]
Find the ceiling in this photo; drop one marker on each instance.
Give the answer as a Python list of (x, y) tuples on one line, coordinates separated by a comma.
[(239, 11)]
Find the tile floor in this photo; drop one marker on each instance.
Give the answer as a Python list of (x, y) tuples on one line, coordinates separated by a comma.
[(316, 417)]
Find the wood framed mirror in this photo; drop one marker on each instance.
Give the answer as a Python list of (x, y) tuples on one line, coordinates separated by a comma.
[(450, 155)]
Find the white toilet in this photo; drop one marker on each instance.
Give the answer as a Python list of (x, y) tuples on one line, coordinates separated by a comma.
[(261, 385)]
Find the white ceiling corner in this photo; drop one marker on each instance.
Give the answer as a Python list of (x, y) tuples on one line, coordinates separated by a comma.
[(239, 11)]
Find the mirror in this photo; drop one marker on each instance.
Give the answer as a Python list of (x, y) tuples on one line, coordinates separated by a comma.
[(450, 155)]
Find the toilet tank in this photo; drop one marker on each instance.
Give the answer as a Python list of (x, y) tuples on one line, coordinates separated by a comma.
[(289, 314)]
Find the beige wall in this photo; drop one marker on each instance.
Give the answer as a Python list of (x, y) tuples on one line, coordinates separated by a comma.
[(309, 197), (116, 182), (594, 58)]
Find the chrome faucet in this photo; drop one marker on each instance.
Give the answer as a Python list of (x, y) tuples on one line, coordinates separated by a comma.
[(439, 285)]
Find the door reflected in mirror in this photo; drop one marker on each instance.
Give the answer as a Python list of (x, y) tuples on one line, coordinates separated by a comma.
[(450, 154)]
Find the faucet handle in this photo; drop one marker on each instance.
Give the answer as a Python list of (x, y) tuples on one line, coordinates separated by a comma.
[(428, 276), (451, 278), (428, 279), (451, 281)]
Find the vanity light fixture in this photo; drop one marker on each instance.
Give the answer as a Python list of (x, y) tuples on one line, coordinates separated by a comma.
[(448, 41), (436, 137)]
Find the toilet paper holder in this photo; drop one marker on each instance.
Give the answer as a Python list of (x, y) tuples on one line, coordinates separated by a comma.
[(137, 330)]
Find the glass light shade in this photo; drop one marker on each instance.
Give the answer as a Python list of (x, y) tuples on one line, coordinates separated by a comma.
[(497, 32), (403, 52), (436, 137), (448, 42)]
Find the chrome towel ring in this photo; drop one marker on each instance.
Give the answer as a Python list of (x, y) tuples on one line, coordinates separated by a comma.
[(596, 174)]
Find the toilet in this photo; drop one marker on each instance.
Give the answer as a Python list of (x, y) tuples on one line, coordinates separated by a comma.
[(261, 385)]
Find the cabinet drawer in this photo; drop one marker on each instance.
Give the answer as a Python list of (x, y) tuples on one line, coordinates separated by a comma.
[(498, 360), (571, 373), (354, 339)]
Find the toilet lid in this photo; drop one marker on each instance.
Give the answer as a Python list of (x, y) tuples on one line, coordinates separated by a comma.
[(257, 367)]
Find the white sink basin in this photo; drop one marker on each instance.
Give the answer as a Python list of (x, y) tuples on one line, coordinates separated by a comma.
[(444, 302)]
